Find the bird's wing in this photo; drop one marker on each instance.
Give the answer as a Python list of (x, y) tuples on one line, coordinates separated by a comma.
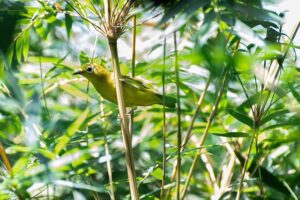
[(134, 83)]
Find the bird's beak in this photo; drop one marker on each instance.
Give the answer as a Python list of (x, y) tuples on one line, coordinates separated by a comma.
[(78, 72)]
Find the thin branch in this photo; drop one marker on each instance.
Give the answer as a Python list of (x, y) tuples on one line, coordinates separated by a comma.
[(200, 101), (43, 88)]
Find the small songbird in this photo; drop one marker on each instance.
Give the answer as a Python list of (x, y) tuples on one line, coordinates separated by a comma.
[(136, 93)]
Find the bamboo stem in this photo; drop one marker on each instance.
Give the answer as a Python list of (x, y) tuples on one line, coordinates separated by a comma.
[(205, 133), (123, 119)]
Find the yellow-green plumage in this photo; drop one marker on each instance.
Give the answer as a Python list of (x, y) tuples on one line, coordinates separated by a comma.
[(135, 92)]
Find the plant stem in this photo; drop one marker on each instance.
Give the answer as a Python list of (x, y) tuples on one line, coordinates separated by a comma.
[(200, 101), (205, 133), (123, 119), (107, 154), (238, 196), (133, 67), (164, 124), (188, 134), (43, 88), (178, 118), (5, 158)]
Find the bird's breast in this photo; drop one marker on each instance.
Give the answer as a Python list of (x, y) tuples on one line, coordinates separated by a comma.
[(106, 89)]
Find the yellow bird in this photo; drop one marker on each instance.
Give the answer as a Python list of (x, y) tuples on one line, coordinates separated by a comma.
[(135, 92)]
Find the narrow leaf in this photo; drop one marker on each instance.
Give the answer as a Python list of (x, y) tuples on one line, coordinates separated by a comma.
[(241, 117), (231, 134)]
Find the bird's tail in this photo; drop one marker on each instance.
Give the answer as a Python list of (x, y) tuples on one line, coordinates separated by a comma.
[(169, 101)]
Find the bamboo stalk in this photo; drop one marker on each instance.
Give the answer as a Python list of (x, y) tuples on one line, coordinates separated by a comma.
[(205, 133), (123, 119)]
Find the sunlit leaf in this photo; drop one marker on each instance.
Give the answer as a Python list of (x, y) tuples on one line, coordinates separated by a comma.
[(62, 142)]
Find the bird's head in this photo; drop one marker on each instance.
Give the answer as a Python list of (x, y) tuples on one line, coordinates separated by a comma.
[(92, 71)]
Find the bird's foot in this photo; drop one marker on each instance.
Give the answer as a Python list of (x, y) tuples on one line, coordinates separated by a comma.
[(131, 111)]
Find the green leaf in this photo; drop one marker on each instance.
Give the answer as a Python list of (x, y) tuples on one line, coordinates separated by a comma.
[(245, 32), (283, 124), (295, 93), (10, 54), (273, 115), (83, 58), (1, 65), (26, 39), (68, 24), (231, 134), (250, 12), (241, 117), (20, 165), (63, 140), (183, 6), (19, 49), (75, 92), (266, 176), (158, 173), (57, 70)]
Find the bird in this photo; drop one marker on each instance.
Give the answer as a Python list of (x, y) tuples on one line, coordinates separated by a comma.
[(135, 92)]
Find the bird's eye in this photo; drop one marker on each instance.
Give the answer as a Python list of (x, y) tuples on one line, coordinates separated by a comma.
[(89, 69)]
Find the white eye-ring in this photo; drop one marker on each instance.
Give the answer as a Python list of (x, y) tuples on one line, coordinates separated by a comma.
[(90, 69)]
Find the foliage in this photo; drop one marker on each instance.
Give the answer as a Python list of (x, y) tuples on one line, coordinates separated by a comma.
[(55, 133)]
